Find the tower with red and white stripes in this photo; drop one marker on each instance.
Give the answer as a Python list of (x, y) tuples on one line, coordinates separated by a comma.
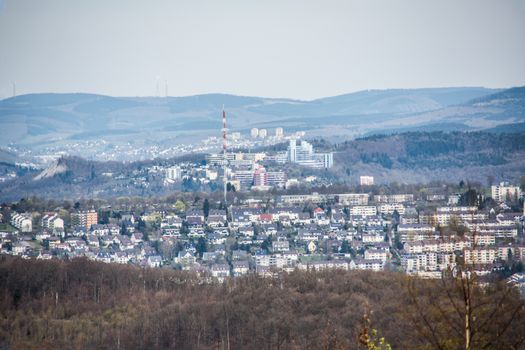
[(224, 148)]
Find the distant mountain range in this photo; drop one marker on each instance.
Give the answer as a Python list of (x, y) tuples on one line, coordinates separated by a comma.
[(40, 120)]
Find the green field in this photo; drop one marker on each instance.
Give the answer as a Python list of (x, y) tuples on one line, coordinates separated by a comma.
[(7, 228)]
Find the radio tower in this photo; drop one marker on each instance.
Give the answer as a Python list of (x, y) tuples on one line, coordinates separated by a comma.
[(224, 147)]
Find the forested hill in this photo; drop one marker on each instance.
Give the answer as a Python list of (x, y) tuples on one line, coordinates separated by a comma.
[(413, 157), (423, 156), (80, 304)]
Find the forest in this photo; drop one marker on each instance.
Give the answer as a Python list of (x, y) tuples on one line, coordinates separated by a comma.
[(80, 304)]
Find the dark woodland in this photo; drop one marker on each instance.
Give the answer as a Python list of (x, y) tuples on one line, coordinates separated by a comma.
[(79, 304)]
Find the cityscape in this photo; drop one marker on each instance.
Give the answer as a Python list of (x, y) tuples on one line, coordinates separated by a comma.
[(262, 175)]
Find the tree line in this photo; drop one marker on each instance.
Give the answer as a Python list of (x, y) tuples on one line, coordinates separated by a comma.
[(80, 304)]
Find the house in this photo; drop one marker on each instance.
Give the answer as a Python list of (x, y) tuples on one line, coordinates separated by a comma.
[(137, 237), (217, 218), (240, 268), (281, 245), (171, 221), (239, 255), (338, 218), (416, 232), (366, 264), (195, 217), (373, 237), (120, 257), (92, 240), (42, 235), (209, 256), (376, 254), (220, 271), (154, 261), (247, 231), (266, 218), (325, 265), (186, 257), (303, 218)]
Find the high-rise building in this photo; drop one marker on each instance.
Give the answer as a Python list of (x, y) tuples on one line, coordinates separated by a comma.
[(260, 177), (245, 178), (301, 152), (279, 132), (304, 155), (254, 132), (505, 192), (276, 178), (84, 218), (325, 160), (263, 133), (173, 173)]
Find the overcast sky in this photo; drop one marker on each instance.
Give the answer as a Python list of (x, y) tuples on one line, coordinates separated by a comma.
[(280, 48)]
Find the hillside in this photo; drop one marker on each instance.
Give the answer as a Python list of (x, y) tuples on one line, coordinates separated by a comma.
[(421, 157), (413, 157), (41, 120), (82, 304)]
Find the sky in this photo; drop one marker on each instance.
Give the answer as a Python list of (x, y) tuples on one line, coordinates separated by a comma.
[(300, 49)]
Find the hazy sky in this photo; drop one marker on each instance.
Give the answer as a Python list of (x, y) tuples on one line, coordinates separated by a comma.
[(282, 48)]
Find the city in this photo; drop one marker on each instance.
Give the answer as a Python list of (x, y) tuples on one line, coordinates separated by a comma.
[(421, 233), (278, 175)]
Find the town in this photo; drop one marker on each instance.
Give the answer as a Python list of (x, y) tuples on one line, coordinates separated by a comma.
[(421, 233)]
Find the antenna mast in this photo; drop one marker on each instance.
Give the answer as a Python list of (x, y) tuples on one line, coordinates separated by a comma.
[(224, 147)]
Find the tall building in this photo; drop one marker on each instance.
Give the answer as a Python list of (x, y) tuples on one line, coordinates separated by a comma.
[(23, 222), (173, 173), (254, 132), (263, 133), (279, 132), (218, 158), (260, 177), (326, 159), (276, 178), (245, 178), (84, 218), (303, 154), (298, 153), (505, 192)]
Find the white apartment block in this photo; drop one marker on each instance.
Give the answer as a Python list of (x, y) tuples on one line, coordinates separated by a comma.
[(419, 262), (376, 254), (366, 264), (444, 215), (505, 192), (480, 255), (366, 180), (363, 210), (373, 238), (416, 232), (23, 222), (389, 208), (393, 198)]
